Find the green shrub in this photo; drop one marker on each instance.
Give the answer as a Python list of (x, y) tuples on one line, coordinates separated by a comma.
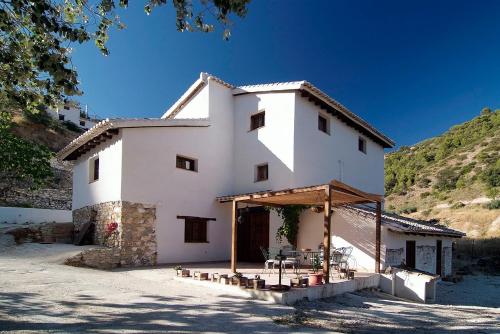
[(72, 126), (408, 209), (446, 179), (425, 194), (457, 205), (493, 205)]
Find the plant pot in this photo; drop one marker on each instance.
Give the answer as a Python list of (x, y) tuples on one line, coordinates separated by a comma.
[(239, 281), (225, 280), (200, 276), (316, 279), (299, 282), (256, 283), (183, 272)]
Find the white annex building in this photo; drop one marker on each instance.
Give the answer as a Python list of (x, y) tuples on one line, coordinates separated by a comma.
[(167, 183)]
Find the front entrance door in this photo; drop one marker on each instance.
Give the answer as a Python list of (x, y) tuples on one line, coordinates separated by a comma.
[(253, 232), (439, 247)]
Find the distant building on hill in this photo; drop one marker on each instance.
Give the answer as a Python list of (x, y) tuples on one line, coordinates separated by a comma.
[(72, 111)]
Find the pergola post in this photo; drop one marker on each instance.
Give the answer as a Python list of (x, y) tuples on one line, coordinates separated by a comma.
[(378, 221), (327, 222), (234, 236)]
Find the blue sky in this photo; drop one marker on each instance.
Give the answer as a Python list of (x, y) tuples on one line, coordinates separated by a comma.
[(410, 69)]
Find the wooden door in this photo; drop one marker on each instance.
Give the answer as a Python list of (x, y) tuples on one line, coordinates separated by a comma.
[(439, 249), (410, 253), (253, 232)]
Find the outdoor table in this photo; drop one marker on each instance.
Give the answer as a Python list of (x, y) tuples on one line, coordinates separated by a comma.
[(305, 256)]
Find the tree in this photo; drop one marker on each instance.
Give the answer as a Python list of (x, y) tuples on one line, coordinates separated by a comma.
[(35, 57)]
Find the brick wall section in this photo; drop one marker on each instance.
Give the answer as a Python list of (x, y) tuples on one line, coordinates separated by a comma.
[(135, 237)]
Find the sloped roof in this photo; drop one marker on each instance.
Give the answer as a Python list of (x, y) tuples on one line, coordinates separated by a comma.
[(306, 88), (397, 223), (109, 127)]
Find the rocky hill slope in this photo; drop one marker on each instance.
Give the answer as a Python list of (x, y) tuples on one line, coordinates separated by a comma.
[(454, 177), (56, 193)]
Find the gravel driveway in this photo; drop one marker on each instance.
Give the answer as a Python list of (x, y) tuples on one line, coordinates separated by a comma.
[(39, 294)]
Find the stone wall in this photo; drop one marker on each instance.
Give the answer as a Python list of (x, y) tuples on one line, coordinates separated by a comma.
[(135, 235)]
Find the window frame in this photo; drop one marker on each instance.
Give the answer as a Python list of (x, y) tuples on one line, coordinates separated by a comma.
[(257, 114), (62, 117), (185, 158), (363, 147), (190, 227), (256, 172), (327, 123), (93, 163)]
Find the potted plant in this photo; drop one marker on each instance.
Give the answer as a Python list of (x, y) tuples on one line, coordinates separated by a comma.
[(256, 283), (181, 271), (316, 278), (198, 275), (239, 279), (299, 282)]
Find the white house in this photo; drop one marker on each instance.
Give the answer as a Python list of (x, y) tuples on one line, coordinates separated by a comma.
[(162, 180), (71, 112)]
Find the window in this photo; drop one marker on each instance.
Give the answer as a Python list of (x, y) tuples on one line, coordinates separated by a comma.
[(323, 124), (257, 120), (82, 123), (66, 107), (362, 145), (94, 169), (195, 229), (61, 117), (261, 172), (186, 163)]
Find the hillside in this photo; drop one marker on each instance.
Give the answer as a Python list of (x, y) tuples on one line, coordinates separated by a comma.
[(453, 177), (56, 193)]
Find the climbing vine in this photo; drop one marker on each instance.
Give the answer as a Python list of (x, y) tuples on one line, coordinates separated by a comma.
[(289, 229)]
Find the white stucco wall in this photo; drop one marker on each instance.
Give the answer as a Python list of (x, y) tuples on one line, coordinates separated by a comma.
[(34, 215), (150, 176), (108, 187), (272, 144), (321, 157)]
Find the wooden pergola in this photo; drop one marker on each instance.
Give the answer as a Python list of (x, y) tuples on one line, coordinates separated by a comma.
[(328, 195)]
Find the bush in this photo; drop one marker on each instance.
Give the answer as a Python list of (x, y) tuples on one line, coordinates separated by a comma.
[(446, 179), (457, 205), (408, 209), (493, 205), (71, 126), (425, 194)]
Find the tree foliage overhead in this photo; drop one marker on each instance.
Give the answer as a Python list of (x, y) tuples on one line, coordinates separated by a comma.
[(415, 166), (35, 40)]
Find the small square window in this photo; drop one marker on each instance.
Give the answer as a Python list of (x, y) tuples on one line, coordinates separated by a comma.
[(82, 123), (362, 145), (61, 117), (257, 120), (66, 107), (94, 169), (186, 163), (261, 172), (323, 124), (195, 230)]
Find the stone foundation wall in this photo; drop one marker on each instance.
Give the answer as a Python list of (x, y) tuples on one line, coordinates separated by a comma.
[(134, 237)]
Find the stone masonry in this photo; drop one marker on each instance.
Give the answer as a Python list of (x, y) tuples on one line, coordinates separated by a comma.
[(131, 244)]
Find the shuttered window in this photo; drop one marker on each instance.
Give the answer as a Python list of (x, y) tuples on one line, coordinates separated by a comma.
[(257, 121), (362, 145), (261, 172), (195, 229), (186, 163), (323, 124)]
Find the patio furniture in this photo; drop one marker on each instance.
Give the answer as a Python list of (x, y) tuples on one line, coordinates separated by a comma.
[(291, 259), (270, 261), (343, 264)]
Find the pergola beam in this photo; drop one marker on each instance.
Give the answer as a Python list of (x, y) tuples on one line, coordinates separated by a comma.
[(327, 224)]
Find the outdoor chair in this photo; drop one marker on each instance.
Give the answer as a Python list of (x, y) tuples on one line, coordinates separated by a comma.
[(290, 260), (343, 266), (270, 260)]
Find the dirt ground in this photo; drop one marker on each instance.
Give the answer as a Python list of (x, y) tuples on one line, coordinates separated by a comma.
[(39, 294)]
